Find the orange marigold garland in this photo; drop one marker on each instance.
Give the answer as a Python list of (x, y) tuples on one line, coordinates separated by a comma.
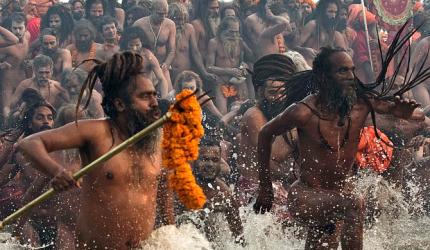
[(181, 140)]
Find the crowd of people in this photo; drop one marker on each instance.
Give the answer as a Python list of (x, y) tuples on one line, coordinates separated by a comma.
[(292, 86)]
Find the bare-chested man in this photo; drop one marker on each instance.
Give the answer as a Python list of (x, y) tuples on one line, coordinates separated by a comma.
[(42, 81), (328, 125), (320, 31), (12, 57), (84, 47), (161, 35), (206, 22), (118, 199), (50, 47), (271, 38), (226, 54), (133, 39), (270, 73), (109, 32), (21, 179), (187, 51)]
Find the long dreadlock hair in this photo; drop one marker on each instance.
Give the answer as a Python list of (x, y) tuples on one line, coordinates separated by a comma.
[(66, 21), (309, 82), (275, 67), (116, 75)]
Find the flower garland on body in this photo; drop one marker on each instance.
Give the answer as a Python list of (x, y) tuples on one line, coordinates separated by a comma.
[(181, 138)]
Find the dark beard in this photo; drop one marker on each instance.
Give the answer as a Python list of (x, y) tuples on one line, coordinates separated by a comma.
[(329, 23), (337, 101), (52, 53), (96, 20), (137, 122), (270, 109), (341, 25), (77, 15), (84, 46), (231, 47)]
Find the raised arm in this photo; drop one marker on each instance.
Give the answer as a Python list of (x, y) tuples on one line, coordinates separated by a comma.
[(7, 38), (279, 25), (400, 108), (67, 59), (307, 32)]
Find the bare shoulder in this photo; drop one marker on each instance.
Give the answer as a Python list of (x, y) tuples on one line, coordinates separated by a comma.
[(25, 83), (311, 24), (302, 111), (141, 22), (197, 24), (64, 52), (251, 19), (213, 42), (252, 113), (189, 28), (169, 22)]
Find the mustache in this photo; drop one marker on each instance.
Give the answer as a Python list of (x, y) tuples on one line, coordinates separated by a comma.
[(45, 127)]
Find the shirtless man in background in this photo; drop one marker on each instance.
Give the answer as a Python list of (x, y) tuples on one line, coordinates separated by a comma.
[(206, 22), (133, 39), (12, 57), (42, 82), (226, 54), (118, 199), (321, 31), (187, 51), (50, 47), (109, 31), (161, 34)]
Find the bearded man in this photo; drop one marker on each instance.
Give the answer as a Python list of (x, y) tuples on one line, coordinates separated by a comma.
[(84, 47), (42, 82), (118, 199), (50, 47), (328, 124), (77, 9), (187, 51), (161, 34), (225, 59), (60, 20), (17, 178), (13, 57), (206, 22), (269, 76), (321, 31)]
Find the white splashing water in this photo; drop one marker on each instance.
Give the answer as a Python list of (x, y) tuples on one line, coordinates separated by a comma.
[(395, 228)]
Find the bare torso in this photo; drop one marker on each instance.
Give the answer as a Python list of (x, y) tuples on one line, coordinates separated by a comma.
[(118, 199), (323, 168), (222, 60), (157, 35), (182, 59)]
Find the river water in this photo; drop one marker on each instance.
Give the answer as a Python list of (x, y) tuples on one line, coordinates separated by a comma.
[(394, 228)]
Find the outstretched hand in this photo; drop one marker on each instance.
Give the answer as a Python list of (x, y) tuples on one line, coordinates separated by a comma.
[(264, 200), (404, 108)]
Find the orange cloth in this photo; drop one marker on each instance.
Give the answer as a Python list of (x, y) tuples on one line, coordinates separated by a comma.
[(311, 3), (370, 18), (228, 90), (373, 152)]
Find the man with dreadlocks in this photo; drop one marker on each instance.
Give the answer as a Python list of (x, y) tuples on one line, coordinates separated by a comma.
[(187, 51), (118, 199), (269, 76), (321, 31), (206, 22), (328, 123)]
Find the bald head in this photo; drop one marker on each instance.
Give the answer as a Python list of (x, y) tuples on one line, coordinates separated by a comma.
[(159, 11)]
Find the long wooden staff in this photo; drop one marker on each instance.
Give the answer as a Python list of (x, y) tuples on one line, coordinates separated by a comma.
[(363, 6), (111, 153)]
